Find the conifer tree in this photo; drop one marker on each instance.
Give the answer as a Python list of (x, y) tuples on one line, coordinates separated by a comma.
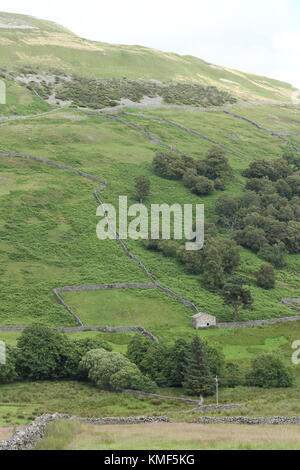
[(198, 379)]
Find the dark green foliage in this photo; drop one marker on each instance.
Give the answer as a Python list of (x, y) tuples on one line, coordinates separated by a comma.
[(227, 209), (216, 360), (192, 260), (231, 376), (79, 348), (202, 177), (236, 295), (195, 95), (168, 165), (266, 218), (167, 365), (137, 348), (265, 277), (176, 363), (292, 160), (100, 93), (268, 371), (220, 184), (8, 372), (151, 358), (212, 269), (198, 184), (168, 247), (292, 239), (271, 169), (154, 363), (215, 165), (142, 187), (274, 254), (198, 379), (43, 354), (113, 371), (220, 256), (251, 237), (202, 186), (228, 251)]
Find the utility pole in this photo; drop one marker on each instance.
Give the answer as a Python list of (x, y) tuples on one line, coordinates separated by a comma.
[(217, 389)]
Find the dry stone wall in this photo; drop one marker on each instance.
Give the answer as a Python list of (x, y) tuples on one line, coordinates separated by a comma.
[(58, 290), (276, 420), (154, 283), (252, 323), (28, 437)]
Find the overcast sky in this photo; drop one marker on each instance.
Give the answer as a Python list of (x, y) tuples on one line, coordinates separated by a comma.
[(258, 36)]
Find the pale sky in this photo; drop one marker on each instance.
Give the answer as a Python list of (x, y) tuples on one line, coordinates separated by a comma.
[(258, 36)]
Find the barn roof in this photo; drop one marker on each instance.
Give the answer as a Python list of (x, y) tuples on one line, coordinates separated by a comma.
[(200, 314)]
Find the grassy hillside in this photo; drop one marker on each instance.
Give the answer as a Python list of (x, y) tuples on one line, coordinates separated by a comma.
[(48, 215), (50, 46), (49, 219)]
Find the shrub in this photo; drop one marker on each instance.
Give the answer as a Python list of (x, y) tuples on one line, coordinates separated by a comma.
[(142, 188), (168, 165), (220, 184), (268, 371), (215, 165), (236, 295), (202, 186), (274, 254), (42, 354), (232, 376), (130, 377), (265, 277), (169, 248), (113, 371), (8, 372)]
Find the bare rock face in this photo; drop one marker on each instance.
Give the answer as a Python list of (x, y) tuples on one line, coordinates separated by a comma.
[(14, 23)]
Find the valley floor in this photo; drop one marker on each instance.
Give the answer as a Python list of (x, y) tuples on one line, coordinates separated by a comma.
[(164, 436)]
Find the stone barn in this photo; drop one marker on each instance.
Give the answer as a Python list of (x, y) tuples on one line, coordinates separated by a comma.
[(203, 320)]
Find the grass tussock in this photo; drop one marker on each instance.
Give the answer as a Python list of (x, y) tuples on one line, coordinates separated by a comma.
[(169, 436)]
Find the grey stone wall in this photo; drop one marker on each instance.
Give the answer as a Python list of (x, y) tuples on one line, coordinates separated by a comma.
[(118, 285), (290, 302), (247, 324), (28, 437), (148, 274), (276, 420)]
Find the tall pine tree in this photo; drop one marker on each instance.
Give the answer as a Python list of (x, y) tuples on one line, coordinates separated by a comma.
[(198, 379)]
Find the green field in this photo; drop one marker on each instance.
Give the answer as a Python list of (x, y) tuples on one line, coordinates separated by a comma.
[(48, 231), (49, 216), (66, 435)]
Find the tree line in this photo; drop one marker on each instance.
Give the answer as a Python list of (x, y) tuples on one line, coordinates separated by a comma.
[(45, 354)]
